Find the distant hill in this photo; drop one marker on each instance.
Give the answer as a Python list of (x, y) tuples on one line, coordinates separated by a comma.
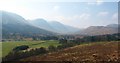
[(113, 25), (53, 26), (13, 23), (100, 30)]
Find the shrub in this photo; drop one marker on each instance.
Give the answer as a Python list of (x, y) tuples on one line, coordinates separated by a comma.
[(42, 50), (63, 41), (16, 55), (52, 48), (22, 47)]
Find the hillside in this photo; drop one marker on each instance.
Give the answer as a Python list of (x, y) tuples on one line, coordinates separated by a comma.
[(100, 51)]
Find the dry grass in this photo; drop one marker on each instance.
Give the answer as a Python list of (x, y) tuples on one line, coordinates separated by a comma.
[(95, 52)]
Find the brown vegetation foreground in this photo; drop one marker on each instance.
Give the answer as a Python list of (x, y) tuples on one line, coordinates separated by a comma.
[(94, 52)]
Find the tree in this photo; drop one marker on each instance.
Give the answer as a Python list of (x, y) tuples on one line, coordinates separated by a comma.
[(34, 38)]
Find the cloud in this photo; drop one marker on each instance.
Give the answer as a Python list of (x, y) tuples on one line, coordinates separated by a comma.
[(97, 2), (91, 3), (103, 13), (56, 8), (78, 20), (84, 16), (115, 16)]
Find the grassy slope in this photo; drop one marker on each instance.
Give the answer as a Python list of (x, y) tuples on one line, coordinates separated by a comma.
[(8, 46), (106, 51)]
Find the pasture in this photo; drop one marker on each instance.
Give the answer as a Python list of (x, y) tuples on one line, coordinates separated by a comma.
[(8, 46)]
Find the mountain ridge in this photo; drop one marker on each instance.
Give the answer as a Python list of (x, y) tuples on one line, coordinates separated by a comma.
[(13, 23)]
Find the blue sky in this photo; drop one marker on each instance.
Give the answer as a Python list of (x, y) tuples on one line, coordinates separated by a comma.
[(78, 14)]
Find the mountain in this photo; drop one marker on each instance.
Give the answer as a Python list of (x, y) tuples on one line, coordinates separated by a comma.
[(41, 23), (13, 23), (53, 26), (100, 30), (61, 28)]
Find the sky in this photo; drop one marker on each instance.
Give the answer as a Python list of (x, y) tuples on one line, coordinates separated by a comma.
[(76, 13)]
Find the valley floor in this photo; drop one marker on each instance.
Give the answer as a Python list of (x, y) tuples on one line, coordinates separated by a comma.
[(100, 51), (8, 46)]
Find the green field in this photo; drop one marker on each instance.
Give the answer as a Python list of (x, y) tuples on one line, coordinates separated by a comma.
[(8, 46)]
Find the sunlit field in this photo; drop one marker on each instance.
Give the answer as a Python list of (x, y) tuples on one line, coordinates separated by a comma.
[(8, 46)]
